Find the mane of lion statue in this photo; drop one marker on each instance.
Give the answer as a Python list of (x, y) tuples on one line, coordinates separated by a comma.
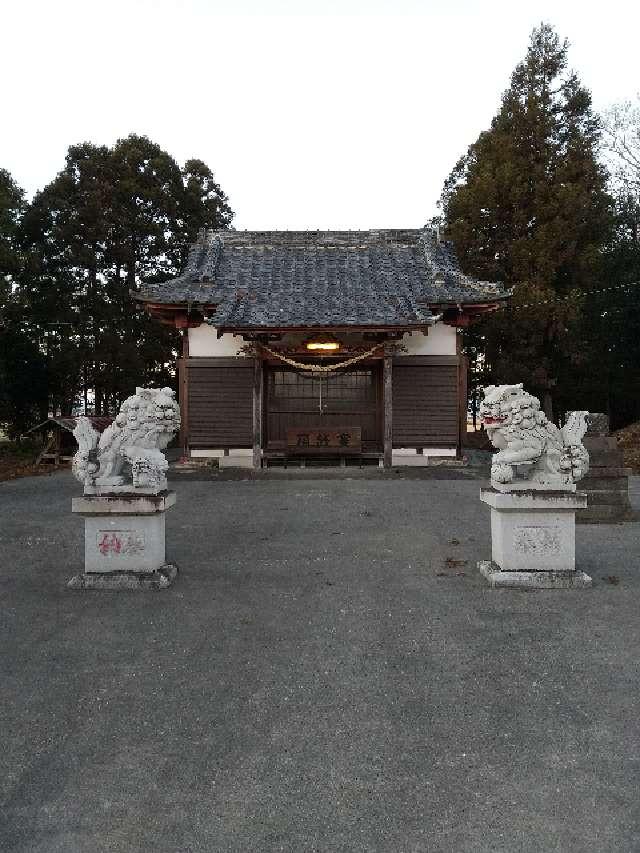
[(550, 458), (128, 455)]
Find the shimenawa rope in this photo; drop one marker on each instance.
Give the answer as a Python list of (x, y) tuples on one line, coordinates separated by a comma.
[(321, 368)]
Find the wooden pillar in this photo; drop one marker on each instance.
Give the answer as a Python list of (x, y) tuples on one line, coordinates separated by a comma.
[(183, 394), (257, 413), (462, 394), (387, 401)]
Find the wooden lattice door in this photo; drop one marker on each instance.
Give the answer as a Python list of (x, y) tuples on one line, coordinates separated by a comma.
[(331, 401)]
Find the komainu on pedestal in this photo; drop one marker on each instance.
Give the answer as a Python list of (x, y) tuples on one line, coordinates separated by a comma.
[(533, 453), (128, 455), (533, 496), (123, 472)]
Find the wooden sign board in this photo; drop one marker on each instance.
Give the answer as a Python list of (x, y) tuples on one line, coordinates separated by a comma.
[(330, 441)]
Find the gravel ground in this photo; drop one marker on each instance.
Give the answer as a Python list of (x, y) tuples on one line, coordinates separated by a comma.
[(329, 673)]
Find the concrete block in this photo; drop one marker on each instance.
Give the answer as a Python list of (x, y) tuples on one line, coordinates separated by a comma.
[(606, 458), (596, 483), (124, 534), (606, 483), (608, 471), (599, 443), (533, 531), (603, 514), (236, 461), (124, 543), (406, 461), (611, 497)]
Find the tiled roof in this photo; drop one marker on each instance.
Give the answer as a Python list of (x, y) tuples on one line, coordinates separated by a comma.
[(287, 279)]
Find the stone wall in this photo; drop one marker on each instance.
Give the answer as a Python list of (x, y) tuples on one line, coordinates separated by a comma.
[(607, 483)]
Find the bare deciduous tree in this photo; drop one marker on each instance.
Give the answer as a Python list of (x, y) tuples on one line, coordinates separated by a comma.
[(621, 143)]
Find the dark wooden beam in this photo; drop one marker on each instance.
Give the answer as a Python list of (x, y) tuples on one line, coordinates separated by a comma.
[(387, 402), (183, 394), (256, 333), (257, 413), (178, 316), (462, 394), (463, 315)]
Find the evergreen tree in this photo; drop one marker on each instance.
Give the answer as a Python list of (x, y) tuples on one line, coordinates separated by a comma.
[(22, 367), (112, 219), (610, 329), (527, 205), (11, 208)]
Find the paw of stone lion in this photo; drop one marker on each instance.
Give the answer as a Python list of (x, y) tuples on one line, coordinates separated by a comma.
[(501, 473)]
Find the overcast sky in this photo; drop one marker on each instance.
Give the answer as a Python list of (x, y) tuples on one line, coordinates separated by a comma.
[(327, 114)]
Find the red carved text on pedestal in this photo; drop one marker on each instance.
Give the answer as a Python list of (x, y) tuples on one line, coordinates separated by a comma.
[(110, 544)]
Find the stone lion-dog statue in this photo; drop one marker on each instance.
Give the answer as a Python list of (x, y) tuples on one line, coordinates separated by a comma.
[(128, 455), (533, 453)]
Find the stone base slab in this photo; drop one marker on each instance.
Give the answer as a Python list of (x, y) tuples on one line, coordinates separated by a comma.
[(532, 580), (525, 486), (523, 500), (131, 503), (125, 581), (102, 490)]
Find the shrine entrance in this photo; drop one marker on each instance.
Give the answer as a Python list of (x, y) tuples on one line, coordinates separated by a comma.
[(340, 410)]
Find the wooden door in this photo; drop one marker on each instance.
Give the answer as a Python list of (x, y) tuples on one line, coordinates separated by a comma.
[(330, 401)]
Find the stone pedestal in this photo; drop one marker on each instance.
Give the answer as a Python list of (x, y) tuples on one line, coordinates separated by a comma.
[(124, 541), (607, 482), (533, 539)]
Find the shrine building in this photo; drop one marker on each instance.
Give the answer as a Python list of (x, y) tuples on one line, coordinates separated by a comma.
[(321, 345)]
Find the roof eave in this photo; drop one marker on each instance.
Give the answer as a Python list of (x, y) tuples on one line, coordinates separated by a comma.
[(344, 327)]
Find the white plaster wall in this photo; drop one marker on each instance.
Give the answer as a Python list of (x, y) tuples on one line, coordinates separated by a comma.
[(239, 457), (441, 340), (204, 343), (409, 456)]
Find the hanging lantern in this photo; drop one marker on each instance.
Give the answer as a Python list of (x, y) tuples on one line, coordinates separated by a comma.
[(323, 343)]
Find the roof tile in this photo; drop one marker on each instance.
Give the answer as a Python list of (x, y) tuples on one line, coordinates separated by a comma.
[(321, 278)]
